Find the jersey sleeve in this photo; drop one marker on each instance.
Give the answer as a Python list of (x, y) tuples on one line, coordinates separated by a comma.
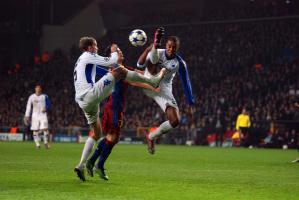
[(103, 61), (185, 81), (48, 103), (28, 107)]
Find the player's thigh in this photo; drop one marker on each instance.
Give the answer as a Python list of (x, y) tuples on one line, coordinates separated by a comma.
[(106, 120), (91, 112), (103, 87), (44, 123), (110, 127), (165, 101), (35, 124)]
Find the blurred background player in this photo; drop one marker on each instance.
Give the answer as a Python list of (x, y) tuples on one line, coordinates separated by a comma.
[(154, 59), (112, 121), (37, 106), (90, 93), (242, 125)]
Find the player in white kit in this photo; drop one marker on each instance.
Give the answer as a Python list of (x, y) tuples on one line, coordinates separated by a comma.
[(154, 59), (90, 93), (37, 106)]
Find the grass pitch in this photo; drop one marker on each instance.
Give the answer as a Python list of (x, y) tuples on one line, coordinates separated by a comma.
[(175, 172)]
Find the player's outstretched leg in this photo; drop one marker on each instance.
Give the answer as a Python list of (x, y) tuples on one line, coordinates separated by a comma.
[(101, 173), (107, 147), (80, 173), (133, 76), (96, 154), (172, 122), (97, 130), (150, 143)]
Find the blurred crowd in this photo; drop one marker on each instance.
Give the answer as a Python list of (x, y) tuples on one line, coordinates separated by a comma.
[(192, 12), (231, 66)]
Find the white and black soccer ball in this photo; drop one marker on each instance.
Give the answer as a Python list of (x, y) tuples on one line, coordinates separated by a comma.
[(137, 37)]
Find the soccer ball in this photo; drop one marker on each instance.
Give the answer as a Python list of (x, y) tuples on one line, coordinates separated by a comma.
[(137, 37)]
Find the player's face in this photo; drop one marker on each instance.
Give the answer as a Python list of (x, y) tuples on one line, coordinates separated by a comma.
[(171, 48), (120, 56), (94, 47), (38, 90)]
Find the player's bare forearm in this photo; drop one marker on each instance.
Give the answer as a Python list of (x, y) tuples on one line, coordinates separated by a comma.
[(145, 86), (142, 57)]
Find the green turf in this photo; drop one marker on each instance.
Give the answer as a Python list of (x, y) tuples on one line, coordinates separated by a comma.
[(175, 172)]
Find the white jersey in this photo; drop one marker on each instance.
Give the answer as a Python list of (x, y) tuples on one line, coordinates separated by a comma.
[(172, 65), (86, 69), (37, 104)]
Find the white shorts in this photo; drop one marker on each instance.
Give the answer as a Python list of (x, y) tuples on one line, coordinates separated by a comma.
[(89, 103), (39, 123), (163, 99)]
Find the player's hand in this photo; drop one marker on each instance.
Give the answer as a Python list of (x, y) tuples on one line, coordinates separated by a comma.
[(149, 48), (158, 36), (26, 121), (114, 48), (44, 110)]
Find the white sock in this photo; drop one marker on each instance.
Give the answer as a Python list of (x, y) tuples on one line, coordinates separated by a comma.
[(163, 128), (46, 134), (36, 138), (136, 77), (154, 56), (86, 151)]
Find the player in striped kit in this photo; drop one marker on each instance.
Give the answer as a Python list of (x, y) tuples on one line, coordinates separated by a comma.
[(153, 59), (89, 93), (37, 107)]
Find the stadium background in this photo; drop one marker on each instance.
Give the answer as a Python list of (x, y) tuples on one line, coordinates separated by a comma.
[(240, 54)]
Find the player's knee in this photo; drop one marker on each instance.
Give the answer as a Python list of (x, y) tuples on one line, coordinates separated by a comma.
[(114, 138), (35, 132), (96, 137)]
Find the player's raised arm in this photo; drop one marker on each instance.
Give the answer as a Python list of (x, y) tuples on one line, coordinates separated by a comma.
[(186, 81), (143, 57), (90, 47), (104, 61)]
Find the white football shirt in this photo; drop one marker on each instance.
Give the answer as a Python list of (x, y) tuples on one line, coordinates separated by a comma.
[(85, 70)]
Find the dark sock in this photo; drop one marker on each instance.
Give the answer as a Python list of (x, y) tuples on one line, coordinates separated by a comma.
[(97, 152), (107, 148)]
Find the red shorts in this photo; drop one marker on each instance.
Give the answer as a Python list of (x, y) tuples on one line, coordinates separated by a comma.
[(107, 122)]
